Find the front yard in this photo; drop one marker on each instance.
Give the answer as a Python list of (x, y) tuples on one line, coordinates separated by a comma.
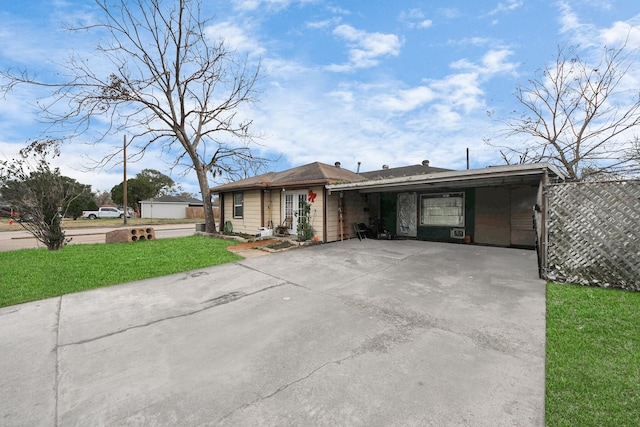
[(592, 338), (34, 274), (593, 357)]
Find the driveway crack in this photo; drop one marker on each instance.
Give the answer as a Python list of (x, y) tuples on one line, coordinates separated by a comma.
[(286, 386), (215, 302)]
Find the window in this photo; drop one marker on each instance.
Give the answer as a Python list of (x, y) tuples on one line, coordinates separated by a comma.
[(238, 205), (445, 210)]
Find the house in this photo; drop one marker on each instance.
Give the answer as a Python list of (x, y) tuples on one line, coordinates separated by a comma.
[(264, 201), (490, 206), (169, 207)]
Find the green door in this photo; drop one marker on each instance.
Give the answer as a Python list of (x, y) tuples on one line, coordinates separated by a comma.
[(388, 211)]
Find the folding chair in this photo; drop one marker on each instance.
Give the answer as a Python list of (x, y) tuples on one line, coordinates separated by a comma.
[(360, 230), (283, 229)]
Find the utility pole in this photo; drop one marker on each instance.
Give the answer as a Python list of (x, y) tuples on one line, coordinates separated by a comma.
[(124, 183)]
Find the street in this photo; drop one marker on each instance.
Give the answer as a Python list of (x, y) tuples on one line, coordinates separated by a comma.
[(21, 239)]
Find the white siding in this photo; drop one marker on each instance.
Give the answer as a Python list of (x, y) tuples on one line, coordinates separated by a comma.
[(250, 222), (163, 210)]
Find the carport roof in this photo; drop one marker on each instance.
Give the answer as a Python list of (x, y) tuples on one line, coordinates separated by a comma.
[(489, 176)]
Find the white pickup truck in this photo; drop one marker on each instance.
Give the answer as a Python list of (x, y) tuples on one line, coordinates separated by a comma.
[(104, 212)]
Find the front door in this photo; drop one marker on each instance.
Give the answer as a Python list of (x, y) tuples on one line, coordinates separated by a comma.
[(293, 203)]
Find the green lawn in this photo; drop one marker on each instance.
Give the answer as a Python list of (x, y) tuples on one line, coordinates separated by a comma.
[(593, 357), (34, 274)]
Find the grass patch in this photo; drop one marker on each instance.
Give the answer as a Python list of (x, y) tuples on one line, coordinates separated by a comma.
[(34, 274), (593, 357)]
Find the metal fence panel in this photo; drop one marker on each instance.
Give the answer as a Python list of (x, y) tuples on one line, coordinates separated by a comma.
[(593, 233)]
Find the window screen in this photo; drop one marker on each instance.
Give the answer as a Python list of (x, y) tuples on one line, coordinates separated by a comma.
[(442, 210), (238, 205)]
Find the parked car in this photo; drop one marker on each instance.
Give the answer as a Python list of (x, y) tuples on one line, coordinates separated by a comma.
[(104, 212)]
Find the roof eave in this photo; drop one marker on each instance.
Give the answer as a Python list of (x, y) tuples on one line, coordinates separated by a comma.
[(450, 177), (275, 185)]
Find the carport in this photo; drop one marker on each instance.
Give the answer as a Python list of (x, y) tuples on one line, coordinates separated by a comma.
[(491, 206)]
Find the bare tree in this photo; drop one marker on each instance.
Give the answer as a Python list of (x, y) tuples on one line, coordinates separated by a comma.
[(39, 193), (578, 116), (169, 84), (103, 198)]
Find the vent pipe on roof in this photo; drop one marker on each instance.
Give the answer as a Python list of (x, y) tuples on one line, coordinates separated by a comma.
[(358, 170), (425, 163), (337, 164)]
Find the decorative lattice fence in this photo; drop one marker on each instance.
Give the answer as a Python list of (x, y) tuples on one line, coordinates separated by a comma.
[(593, 233)]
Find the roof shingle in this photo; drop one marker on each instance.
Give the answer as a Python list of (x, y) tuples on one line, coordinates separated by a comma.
[(311, 174)]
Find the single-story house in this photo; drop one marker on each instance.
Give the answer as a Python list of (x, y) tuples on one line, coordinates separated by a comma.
[(264, 201), (491, 206), (168, 207)]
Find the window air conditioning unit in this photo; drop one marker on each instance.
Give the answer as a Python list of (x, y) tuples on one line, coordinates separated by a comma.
[(457, 233)]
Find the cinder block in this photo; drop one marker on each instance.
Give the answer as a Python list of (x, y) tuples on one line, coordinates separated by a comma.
[(130, 235)]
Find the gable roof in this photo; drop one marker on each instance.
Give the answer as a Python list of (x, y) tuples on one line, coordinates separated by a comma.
[(312, 174)]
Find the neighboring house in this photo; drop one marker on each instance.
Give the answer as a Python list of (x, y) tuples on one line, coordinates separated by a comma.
[(490, 206), (168, 207), (387, 172)]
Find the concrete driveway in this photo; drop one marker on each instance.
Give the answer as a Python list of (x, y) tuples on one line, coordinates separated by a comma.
[(371, 333)]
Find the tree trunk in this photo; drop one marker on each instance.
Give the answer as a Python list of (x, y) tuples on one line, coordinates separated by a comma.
[(209, 218)]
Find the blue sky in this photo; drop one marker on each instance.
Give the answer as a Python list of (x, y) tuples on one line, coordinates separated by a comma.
[(375, 82)]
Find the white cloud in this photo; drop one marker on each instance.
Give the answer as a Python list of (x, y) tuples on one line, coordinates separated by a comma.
[(579, 33), (309, 118), (587, 35), (461, 91), (252, 5), (474, 41), (415, 18), (366, 49), (235, 36), (405, 100), (493, 62), (324, 24), (344, 97), (620, 33), (507, 7)]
